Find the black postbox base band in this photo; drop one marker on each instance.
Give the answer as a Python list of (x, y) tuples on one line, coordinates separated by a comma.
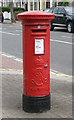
[(36, 104)]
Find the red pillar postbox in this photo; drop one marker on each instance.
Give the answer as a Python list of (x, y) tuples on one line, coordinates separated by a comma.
[(36, 60)]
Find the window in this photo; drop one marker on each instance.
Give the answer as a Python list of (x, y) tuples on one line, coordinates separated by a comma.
[(35, 5), (61, 10), (55, 10), (51, 10), (31, 5)]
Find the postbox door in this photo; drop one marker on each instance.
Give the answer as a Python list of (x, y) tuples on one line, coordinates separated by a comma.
[(37, 64), (40, 66)]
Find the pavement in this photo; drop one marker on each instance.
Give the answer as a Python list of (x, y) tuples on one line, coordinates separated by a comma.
[(11, 89), (9, 22)]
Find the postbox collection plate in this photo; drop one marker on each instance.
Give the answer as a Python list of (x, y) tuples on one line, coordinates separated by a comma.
[(39, 46)]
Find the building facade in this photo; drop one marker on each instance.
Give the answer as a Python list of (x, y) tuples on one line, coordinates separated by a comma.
[(31, 5)]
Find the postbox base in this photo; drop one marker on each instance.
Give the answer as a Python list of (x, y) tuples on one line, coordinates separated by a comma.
[(36, 104)]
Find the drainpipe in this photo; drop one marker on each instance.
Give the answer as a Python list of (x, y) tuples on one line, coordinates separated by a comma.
[(28, 5), (57, 3), (51, 2)]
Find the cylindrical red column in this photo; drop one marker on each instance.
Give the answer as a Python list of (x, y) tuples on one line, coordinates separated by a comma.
[(36, 60)]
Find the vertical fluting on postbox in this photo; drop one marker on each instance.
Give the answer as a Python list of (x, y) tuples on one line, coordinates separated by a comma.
[(36, 60)]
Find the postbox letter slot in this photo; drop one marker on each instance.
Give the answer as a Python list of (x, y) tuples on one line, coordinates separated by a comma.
[(41, 30)]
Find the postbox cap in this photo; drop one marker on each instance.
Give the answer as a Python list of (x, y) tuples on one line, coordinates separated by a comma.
[(35, 15)]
